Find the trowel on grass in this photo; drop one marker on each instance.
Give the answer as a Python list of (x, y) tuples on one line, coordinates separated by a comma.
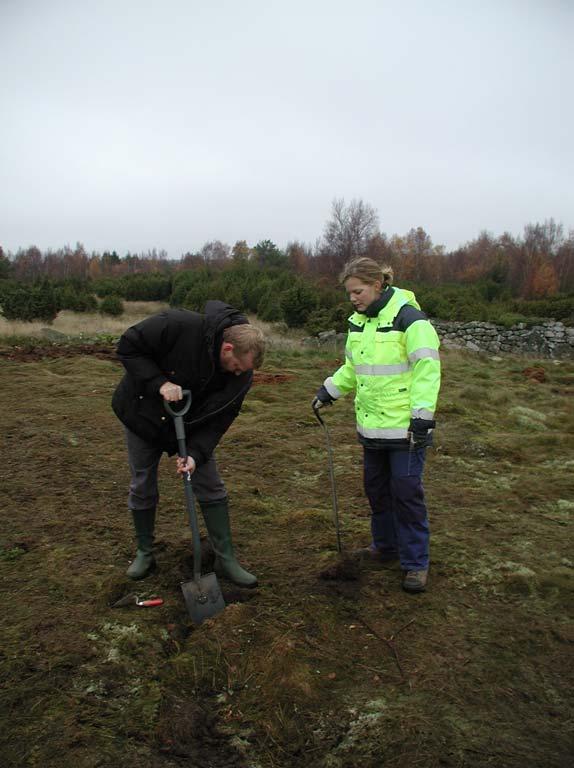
[(132, 600), (202, 594)]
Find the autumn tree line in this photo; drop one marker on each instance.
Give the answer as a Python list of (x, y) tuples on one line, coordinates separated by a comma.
[(498, 278)]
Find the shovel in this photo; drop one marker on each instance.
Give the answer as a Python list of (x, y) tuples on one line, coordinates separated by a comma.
[(202, 594)]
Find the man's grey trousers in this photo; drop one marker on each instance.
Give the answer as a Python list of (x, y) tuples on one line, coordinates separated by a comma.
[(144, 460)]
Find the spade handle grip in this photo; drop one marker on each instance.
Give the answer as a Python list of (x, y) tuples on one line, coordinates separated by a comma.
[(185, 407)]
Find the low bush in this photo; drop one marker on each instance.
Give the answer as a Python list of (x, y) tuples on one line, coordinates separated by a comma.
[(268, 307), (139, 287), (112, 305), (19, 301), (298, 303), (556, 308), (71, 299), (334, 318)]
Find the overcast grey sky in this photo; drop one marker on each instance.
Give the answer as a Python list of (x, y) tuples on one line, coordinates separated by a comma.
[(132, 124)]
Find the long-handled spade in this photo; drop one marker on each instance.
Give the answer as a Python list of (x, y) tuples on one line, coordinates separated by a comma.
[(202, 594)]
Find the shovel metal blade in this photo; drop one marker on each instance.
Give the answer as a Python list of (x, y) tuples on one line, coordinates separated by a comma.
[(203, 597)]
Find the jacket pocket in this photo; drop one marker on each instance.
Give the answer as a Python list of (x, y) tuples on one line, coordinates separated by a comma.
[(388, 350)]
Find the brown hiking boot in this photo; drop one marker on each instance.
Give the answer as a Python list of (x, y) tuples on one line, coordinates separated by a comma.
[(415, 581)]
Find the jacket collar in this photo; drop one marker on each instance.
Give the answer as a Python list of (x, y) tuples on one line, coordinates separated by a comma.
[(375, 307), (386, 307)]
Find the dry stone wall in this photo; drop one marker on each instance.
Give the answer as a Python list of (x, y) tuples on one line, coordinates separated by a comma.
[(549, 339)]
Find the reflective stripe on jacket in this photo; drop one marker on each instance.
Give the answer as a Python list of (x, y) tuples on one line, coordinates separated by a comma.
[(392, 363)]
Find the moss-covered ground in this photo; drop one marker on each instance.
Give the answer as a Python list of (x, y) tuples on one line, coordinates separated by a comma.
[(302, 671)]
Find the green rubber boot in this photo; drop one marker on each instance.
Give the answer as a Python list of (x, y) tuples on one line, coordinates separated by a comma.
[(216, 516), (144, 561)]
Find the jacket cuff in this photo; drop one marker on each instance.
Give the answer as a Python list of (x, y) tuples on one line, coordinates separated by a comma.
[(196, 455), (422, 413), (155, 384), (334, 391)]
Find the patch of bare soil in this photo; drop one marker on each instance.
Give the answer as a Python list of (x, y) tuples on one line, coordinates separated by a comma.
[(535, 373), (33, 353), (344, 568), (260, 377)]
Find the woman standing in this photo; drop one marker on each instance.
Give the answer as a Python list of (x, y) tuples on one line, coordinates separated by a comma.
[(392, 363)]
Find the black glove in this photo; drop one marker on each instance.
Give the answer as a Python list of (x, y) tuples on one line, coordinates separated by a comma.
[(420, 431), (322, 398)]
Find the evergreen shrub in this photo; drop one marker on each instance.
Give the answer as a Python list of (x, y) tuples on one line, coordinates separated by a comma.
[(269, 307), (29, 302), (68, 297), (298, 303), (112, 305), (139, 287)]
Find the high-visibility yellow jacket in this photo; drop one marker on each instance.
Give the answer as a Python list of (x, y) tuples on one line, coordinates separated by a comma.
[(392, 363)]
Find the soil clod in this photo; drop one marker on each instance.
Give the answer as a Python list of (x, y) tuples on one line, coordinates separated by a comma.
[(346, 568)]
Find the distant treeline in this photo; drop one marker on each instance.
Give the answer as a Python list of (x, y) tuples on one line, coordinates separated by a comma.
[(500, 279), (275, 294)]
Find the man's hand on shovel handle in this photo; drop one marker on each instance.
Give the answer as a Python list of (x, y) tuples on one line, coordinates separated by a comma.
[(171, 392), (185, 465)]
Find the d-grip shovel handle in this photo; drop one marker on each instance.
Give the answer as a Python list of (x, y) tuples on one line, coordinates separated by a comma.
[(178, 422), (184, 409), (177, 416)]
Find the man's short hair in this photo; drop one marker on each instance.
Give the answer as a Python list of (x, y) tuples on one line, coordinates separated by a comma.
[(246, 338)]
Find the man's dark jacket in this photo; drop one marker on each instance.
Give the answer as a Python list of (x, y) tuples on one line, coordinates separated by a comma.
[(182, 347)]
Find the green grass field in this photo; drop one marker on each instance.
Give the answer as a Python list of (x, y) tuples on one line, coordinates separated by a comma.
[(302, 671)]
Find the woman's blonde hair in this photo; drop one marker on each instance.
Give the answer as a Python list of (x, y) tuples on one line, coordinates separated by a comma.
[(246, 338), (367, 270)]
